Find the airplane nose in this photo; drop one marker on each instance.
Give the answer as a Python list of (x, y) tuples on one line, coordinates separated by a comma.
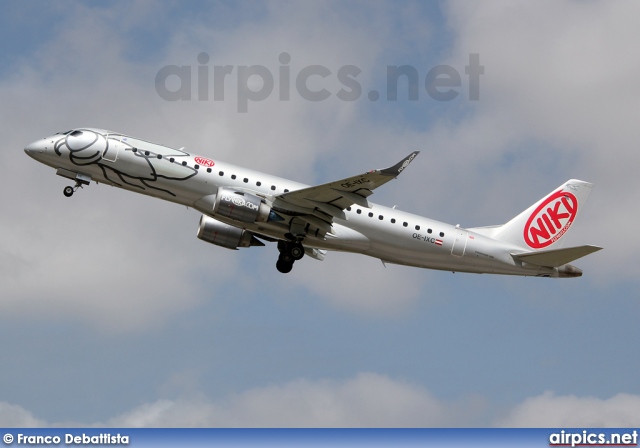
[(34, 148)]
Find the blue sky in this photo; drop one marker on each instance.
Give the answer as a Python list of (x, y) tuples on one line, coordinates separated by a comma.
[(113, 313)]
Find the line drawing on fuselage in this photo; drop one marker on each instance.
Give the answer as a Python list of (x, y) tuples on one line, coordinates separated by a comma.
[(112, 152), (243, 208)]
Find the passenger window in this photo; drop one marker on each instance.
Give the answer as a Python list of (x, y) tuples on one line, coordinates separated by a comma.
[(159, 156), (428, 230), (146, 153), (245, 180), (358, 211), (233, 176), (370, 215), (441, 234), (208, 170), (184, 163), (405, 224), (196, 167), (417, 227), (348, 209), (286, 190), (172, 160), (221, 173), (258, 183), (393, 220), (273, 187), (380, 217)]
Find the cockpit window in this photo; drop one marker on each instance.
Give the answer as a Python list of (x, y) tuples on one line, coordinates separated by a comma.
[(76, 134), (64, 133)]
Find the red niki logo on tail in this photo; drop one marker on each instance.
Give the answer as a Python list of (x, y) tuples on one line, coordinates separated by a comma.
[(551, 219)]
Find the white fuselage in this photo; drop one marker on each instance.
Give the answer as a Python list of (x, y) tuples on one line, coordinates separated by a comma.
[(389, 234)]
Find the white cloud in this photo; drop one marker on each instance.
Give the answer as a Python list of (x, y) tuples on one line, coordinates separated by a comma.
[(63, 255), (362, 284), (550, 410), (365, 400), (558, 99), (560, 83), (373, 400), (12, 416), (530, 90), (117, 270)]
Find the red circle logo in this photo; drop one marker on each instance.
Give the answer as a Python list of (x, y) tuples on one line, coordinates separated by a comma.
[(204, 162), (551, 219)]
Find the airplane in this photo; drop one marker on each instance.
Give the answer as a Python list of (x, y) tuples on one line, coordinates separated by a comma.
[(242, 208)]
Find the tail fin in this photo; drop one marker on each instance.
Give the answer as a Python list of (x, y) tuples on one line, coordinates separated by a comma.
[(543, 224)]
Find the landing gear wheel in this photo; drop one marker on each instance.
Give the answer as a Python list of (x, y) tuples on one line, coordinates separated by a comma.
[(296, 251), (68, 191), (290, 252), (284, 266)]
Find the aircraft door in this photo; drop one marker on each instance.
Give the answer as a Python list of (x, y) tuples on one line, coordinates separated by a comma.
[(459, 242), (110, 153)]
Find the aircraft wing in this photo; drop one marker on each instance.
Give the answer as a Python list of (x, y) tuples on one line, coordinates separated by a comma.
[(320, 204)]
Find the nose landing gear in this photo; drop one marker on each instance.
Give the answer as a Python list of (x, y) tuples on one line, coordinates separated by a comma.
[(289, 253), (68, 191), (81, 179)]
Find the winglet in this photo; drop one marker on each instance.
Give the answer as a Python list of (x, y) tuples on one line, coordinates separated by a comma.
[(396, 169)]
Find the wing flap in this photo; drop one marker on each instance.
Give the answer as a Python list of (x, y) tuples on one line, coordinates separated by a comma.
[(329, 209), (556, 257), (356, 198), (317, 222), (312, 252)]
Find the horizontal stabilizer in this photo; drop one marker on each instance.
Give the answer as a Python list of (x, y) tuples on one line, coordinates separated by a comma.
[(556, 257)]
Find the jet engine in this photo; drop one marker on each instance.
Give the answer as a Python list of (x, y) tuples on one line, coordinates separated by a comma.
[(241, 206), (221, 234)]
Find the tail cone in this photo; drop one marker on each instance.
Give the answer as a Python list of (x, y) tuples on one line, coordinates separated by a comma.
[(568, 270)]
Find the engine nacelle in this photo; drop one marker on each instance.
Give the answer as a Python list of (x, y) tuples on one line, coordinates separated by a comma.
[(241, 206), (221, 234)]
